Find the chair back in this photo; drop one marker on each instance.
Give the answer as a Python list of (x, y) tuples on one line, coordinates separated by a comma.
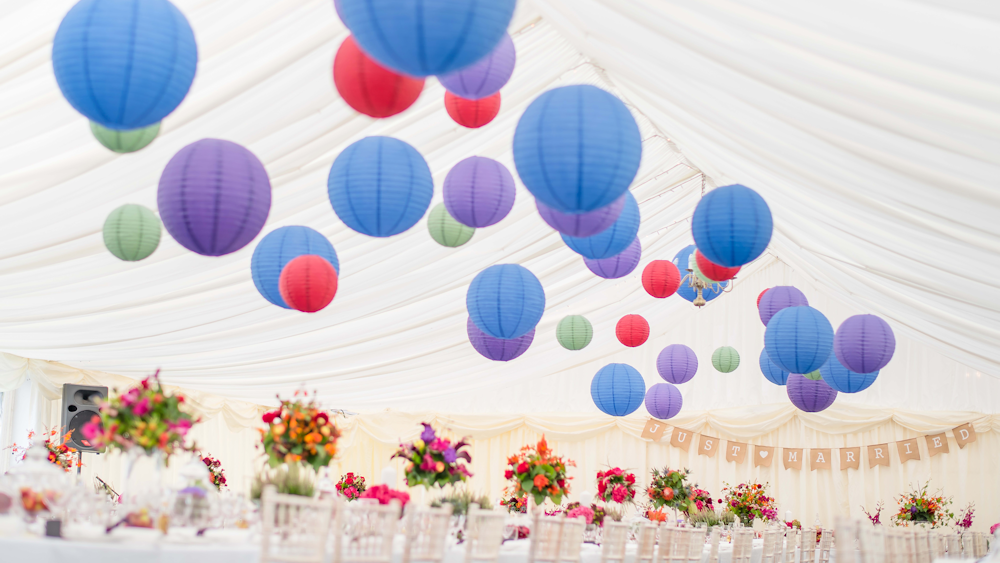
[(571, 539), (483, 534), (770, 547), (953, 544), (646, 542), (807, 547), (825, 543), (742, 545), (695, 544), (364, 532), (791, 543), (294, 529), (613, 542), (979, 545), (713, 545), (546, 537), (426, 533), (676, 549), (922, 546)]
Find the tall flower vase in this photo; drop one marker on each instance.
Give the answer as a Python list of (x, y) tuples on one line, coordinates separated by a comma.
[(141, 489)]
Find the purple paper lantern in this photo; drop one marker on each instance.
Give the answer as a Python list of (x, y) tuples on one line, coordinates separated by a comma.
[(677, 363), (864, 343), (498, 349), (584, 224), (214, 197), (485, 77), (664, 401), (619, 265), (809, 395), (777, 298), (479, 192)]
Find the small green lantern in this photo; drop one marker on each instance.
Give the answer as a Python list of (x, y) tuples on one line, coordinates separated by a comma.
[(814, 375), (132, 232), (726, 359), (445, 230), (125, 141), (574, 332)]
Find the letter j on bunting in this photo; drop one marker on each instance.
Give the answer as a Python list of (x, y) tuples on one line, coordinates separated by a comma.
[(653, 430)]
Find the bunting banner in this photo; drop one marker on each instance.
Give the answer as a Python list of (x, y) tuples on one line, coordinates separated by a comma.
[(818, 458)]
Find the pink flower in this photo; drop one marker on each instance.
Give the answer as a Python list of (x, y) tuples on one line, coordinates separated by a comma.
[(700, 505), (142, 407), (582, 512), (618, 494), (439, 445), (993, 528), (428, 464), (351, 492), (129, 398)]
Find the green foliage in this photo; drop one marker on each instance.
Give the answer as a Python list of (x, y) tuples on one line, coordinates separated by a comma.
[(290, 479), (461, 498)]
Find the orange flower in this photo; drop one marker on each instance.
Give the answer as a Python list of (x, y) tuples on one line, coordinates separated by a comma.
[(541, 481), (278, 429), (330, 448)]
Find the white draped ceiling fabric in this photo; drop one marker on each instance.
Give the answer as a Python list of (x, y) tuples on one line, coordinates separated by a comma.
[(871, 128)]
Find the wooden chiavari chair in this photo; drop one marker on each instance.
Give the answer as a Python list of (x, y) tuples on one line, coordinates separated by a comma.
[(484, 535), (426, 533), (771, 539), (742, 545), (294, 529), (613, 542), (546, 538), (807, 546), (571, 540), (364, 532), (646, 540)]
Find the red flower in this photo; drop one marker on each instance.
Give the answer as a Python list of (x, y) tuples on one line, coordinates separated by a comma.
[(523, 468), (321, 418), (508, 474), (561, 483), (630, 479), (269, 417)]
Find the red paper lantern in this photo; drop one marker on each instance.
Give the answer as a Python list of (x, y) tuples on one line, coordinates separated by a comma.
[(472, 113), (661, 278), (761, 295), (713, 271), (369, 87), (308, 283), (632, 330)]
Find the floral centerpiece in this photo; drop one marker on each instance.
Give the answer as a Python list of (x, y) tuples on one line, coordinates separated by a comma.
[(143, 417), (748, 501), (536, 471), (58, 452), (216, 475), (667, 488), (700, 499), (514, 504), (384, 495), (964, 521), (918, 506), (433, 460), (298, 431), (351, 486), (615, 485)]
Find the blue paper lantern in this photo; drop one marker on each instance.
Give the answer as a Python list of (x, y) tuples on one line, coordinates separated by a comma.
[(618, 389), (505, 301), (380, 186), (125, 64), (844, 380), (732, 225), (613, 240), (685, 290), (799, 339), (422, 38), (664, 401), (771, 371), (577, 148), (277, 249)]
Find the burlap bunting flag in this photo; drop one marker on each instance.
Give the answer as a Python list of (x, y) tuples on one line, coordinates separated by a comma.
[(850, 458), (736, 451), (792, 458), (964, 434), (908, 450), (763, 456), (878, 455), (708, 445), (819, 458), (937, 444), (681, 438), (653, 430)]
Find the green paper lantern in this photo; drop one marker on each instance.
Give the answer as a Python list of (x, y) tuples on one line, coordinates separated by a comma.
[(726, 359), (125, 141), (132, 232), (693, 266), (445, 230), (814, 375), (574, 332)]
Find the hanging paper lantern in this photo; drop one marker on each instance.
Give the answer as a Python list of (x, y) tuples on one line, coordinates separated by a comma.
[(505, 301), (380, 186), (445, 230), (582, 225), (124, 141), (632, 330), (472, 113), (574, 332), (758, 300), (485, 77), (125, 64), (619, 265), (682, 262), (277, 249), (725, 359), (577, 148), (799, 339), (771, 371), (696, 271), (864, 343), (423, 38), (479, 192), (612, 240), (618, 389), (214, 197), (663, 401), (732, 225), (660, 278), (131, 232), (777, 298), (308, 283), (813, 375), (369, 87), (844, 380), (498, 349), (677, 363), (712, 271), (809, 395)]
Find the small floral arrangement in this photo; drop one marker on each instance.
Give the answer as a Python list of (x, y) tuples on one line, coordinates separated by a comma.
[(536, 471), (656, 515), (750, 500), (615, 485), (145, 416), (35, 502), (434, 460), (919, 506), (875, 519), (581, 512), (794, 525), (298, 431), (667, 488), (384, 495), (351, 486), (58, 452), (965, 517), (513, 504), (700, 500), (216, 475)]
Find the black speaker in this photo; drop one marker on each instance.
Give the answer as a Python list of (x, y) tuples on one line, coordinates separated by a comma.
[(79, 405)]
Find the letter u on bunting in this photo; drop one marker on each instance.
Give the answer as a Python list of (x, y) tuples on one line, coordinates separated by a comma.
[(964, 434), (908, 450), (792, 458), (762, 456), (708, 445), (850, 458), (878, 455), (736, 451), (937, 444), (681, 439)]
